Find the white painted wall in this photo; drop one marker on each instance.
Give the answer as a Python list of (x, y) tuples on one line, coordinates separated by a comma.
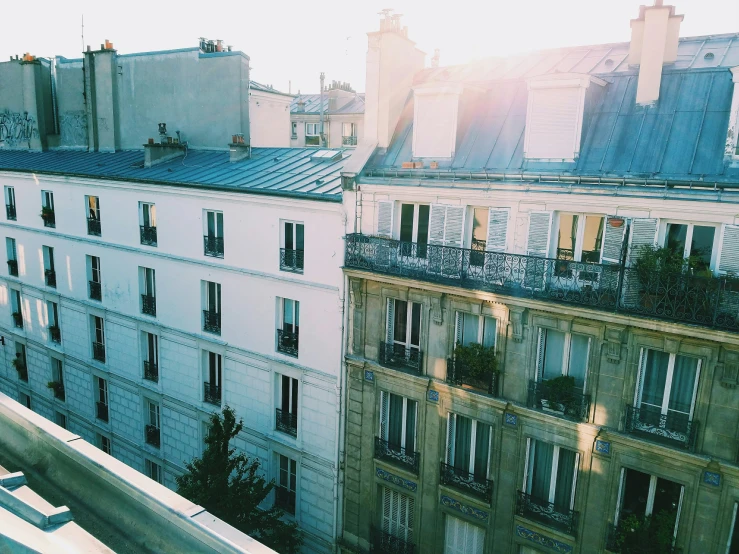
[(269, 119)]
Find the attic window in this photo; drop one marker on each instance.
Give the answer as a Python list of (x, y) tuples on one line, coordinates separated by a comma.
[(709, 56), (326, 156), (436, 108)]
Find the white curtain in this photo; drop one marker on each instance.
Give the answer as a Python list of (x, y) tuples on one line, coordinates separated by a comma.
[(654, 379), (683, 385), (541, 469), (578, 359), (554, 348)]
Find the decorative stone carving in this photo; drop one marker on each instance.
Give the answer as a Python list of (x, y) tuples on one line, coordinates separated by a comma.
[(516, 318), (672, 345), (355, 292), (614, 340)]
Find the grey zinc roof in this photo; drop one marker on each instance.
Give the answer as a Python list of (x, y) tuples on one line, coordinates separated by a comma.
[(267, 88), (273, 171), (313, 104)]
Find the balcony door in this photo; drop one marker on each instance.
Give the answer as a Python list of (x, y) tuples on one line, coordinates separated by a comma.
[(561, 354), (398, 416), (579, 242), (472, 328), (403, 327), (396, 518), (550, 476), (643, 495), (414, 228), (468, 446)]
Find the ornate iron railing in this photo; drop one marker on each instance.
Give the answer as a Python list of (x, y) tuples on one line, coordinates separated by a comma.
[(13, 267), (286, 422), (101, 411), (349, 141), (212, 322), (672, 429), (213, 246), (399, 356), (467, 482), (149, 304), (152, 435), (292, 260), (10, 211), (572, 405), (617, 541), (285, 499), (151, 372), (459, 374), (287, 342), (49, 218), (673, 296), (564, 520), (55, 333), (96, 291), (382, 542), (384, 450), (18, 319), (98, 351), (93, 226), (58, 389), (148, 235), (212, 393), (50, 276)]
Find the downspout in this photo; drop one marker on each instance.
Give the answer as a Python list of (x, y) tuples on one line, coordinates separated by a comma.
[(323, 140), (340, 429)]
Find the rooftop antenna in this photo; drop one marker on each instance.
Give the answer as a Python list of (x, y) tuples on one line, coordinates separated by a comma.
[(83, 32)]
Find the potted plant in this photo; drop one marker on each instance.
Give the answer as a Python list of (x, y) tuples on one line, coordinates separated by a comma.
[(475, 364), (634, 533), (557, 393), (47, 214), (20, 366)]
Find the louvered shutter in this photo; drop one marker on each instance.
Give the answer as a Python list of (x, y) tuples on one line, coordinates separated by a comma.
[(454, 226), (497, 230), (385, 219), (540, 354), (451, 421), (643, 233), (729, 258), (387, 501), (613, 240), (552, 123), (390, 320), (540, 224), (475, 539), (640, 377), (574, 480), (458, 328), (384, 411), (437, 224), (525, 486), (452, 535)]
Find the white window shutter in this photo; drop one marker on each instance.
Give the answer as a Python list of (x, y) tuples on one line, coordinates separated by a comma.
[(640, 377), (613, 240), (390, 319), (475, 537), (384, 405), (541, 339), (458, 328), (451, 421), (540, 226), (729, 258), (497, 230), (385, 219), (454, 226), (643, 233), (437, 223), (553, 123), (387, 502), (452, 536), (525, 486), (574, 481)]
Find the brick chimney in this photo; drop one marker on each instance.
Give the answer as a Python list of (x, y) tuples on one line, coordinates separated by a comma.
[(654, 39)]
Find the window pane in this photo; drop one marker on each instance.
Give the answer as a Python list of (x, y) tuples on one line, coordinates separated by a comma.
[(734, 547), (666, 497), (482, 446), (565, 476), (541, 470), (480, 228), (289, 244), (578, 359), (462, 443), (287, 312), (416, 324), (401, 321), (299, 239), (592, 239), (423, 224), (219, 224), (675, 237), (654, 378), (395, 420), (554, 349), (470, 328), (488, 332), (410, 426), (702, 245), (567, 236), (285, 404), (211, 223), (683, 384), (406, 222)]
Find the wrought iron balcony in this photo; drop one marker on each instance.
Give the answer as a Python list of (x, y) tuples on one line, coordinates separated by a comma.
[(466, 482), (98, 351), (152, 435), (10, 211), (13, 267), (681, 297), (213, 246), (55, 333), (572, 404), (286, 422), (93, 226), (151, 372), (287, 342), (96, 291), (382, 542), (619, 539), (674, 429), (212, 322), (459, 374), (149, 304), (212, 393), (398, 356), (148, 235), (101, 411), (349, 141), (18, 319), (58, 388), (285, 499), (49, 217), (547, 513), (50, 276), (397, 455), (291, 260)]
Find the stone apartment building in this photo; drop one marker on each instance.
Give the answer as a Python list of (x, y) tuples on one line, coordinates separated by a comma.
[(513, 203), (342, 110)]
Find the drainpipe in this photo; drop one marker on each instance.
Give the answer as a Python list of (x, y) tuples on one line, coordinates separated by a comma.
[(340, 429), (323, 141)]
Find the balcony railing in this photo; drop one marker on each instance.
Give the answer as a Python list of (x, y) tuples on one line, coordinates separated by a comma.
[(98, 351), (151, 372), (55, 333), (286, 422), (681, 297), (101, 411), (291, 260), (399, 356), (18, 319), (562, 519), (13, 267), (10, 211), (382, 542), (459, 374), (148, 235), (58, 388), (466, 482), (93, 226), (349, 141), (212, 322), (287, 342), (213, 246), (674, 429), (397, 454), (212, 393), (617, 540), (149, 304), (285, 499), (50, 276), (96, 291), (572, 404), (152, 435)]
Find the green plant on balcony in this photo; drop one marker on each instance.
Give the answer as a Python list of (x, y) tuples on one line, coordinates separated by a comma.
[(477, 361), (641, 534), (47, 214), (20, 366), (558, 393)]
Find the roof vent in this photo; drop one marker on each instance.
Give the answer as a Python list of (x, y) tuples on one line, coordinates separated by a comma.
[(326, 156), (709, 56), (609, 62)]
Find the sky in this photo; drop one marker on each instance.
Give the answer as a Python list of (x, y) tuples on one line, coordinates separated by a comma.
[(291, 42)]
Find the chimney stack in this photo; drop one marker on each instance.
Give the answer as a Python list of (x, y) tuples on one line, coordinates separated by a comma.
[(435, 59), (654, 40)]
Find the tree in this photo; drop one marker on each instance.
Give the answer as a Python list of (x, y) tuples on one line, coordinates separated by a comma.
[(230, 486)]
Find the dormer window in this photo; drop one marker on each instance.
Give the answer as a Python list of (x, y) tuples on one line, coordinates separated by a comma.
[(435, 112)]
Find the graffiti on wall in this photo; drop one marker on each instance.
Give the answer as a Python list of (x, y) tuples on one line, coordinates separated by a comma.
[(17, 129), (73, 127)]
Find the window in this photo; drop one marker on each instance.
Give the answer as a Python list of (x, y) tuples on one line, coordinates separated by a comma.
[(312, 134), (10, 203), (147, 285), (16, 307), (12, 257), (153, 470), (580, 237), (104, 444), (349, 129), (94, 278), (732, 546), (49, 271), (19, 362), (294, 129), (414, 228), (396, 519), (212, 307), (213, 369), (292, 254), (289, 327), (151, 357), (52, 314), (397, 440), (560, 354), (97, 327), (151, 428), (214, 234), (57, 379), (24, 399), (47, 208), (461, 537), (691, 241), (286, 485), (148, 223), (403, 327), (60, 419), (551, 476), (467, 448), (101, 404), (92, 206), (287, 413), (478, 329)]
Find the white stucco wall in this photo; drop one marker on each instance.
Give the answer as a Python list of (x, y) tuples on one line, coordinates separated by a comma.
[(269, 119)]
